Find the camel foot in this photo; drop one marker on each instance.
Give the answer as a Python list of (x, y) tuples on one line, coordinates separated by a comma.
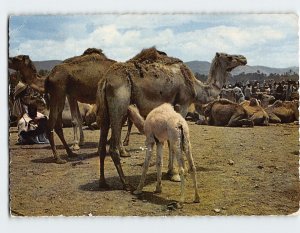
[(60, 161), (158, 190), (137, 192), (72, 155), (197, 199), (127, 187), (75, 147), (175, 177), (103, 184), (125, 154), (125, 143)]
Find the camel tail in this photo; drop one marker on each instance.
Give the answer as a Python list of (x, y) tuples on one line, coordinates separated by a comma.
[(184, 138), (46, 94), (136, 118), (101, 104)]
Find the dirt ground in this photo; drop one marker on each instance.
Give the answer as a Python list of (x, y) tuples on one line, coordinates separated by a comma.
[(240, 171)]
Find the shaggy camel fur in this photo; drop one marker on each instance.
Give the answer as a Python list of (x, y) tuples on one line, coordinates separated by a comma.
[(223, 112), (163, 124), (148, 80), (256, 113), (283, 111), (76, 78)]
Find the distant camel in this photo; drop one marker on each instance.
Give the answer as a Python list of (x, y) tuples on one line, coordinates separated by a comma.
[(223, 112), (148, 80), (75, 78), (283, 111), (163, 124), (233, 94), (255, 112)]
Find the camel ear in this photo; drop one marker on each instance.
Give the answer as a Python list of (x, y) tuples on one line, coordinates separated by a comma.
[(217, 54)]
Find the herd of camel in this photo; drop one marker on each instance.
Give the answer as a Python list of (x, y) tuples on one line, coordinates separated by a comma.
[(148, 80)]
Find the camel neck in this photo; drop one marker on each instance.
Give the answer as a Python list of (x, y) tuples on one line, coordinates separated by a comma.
[(35, 81), (217, 77), (205, 93)]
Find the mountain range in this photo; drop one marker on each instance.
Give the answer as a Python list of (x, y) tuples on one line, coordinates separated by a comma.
[(201, 67)]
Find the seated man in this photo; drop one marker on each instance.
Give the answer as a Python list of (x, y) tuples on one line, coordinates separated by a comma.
[(32, 127)]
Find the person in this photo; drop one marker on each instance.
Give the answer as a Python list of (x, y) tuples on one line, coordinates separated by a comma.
[(31, 123), (248, 92), (32, 127)]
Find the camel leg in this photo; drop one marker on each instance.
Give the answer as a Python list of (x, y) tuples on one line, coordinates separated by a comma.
[(60, 134), (238, 121), (178, 153), (126, 140), (145, 168), (76, 121), (172, 172), (102, 151), (79, 120), (192, 168), (56, 108), (114, 149), (159, 164)]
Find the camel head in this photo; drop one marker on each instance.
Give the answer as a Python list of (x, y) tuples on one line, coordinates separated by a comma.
[(254, 102), (21, 63), (229, 62)]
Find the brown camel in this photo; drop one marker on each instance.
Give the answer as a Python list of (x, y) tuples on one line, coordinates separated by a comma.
[(256, 112), (75, 78), (224, 112), (148, 80), (29, 76), (283, 111)]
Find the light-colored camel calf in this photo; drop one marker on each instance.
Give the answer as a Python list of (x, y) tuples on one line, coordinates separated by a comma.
[(163, 124)]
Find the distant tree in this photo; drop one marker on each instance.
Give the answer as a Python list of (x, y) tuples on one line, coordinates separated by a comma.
[(201, 77), (43, 72)]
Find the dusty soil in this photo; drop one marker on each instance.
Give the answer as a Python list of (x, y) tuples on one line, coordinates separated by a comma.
[(241, 171)]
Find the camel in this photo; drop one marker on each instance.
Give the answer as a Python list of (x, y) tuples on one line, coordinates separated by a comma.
[(256, 112), (283, 111), (163, 124), (148, 80), (233, 94), (265, 99), (224, 112), (75, 78), (36, 82)]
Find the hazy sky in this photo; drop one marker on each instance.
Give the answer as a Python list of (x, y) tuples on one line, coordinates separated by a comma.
[(265, 39)]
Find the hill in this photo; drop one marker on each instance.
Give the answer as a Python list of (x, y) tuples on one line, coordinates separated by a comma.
[(202, 67), (46, 65)]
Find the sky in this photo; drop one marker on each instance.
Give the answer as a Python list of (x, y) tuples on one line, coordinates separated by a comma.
[(264, 39)]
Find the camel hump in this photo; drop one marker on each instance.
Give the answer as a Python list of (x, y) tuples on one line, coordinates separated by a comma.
[(278, 103), (151, 55), (92, 50), (225, 101), (85, 58)]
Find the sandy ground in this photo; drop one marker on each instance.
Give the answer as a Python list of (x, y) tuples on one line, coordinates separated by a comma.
[(240, 171)]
